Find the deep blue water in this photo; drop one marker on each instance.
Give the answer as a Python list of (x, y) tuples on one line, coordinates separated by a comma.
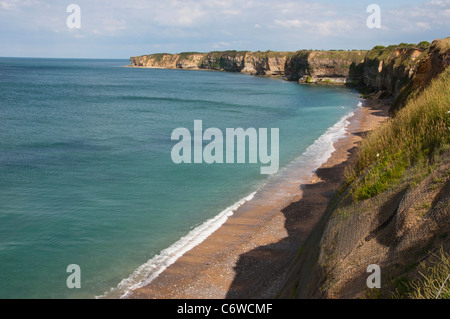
[(86, 175)]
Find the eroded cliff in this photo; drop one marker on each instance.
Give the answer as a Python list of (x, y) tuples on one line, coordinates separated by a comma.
[(302, 66), (394, 71), (393, 209)]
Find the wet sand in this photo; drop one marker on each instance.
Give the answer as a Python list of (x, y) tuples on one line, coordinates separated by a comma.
[(250, 255)]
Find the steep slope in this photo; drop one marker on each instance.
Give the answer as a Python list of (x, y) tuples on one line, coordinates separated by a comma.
[(393, 210), (340, 67), (434, 60)]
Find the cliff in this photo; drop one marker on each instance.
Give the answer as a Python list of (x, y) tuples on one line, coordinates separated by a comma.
[(302, 66), (393, 209), (326, 66), (433, 61), (255, 63), (387, 70)]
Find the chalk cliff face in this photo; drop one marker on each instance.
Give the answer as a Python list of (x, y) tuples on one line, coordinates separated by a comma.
[(435, 61), (302, 66), (231, 61), (395, 70), (389, 69), (190, 62), (265, 64), (328, 66), (399, 71)]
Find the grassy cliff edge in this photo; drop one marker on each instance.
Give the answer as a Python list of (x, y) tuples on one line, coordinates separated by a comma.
[(392, 210)]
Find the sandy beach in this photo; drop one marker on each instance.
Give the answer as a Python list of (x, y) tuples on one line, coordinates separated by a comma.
[(250, 255)]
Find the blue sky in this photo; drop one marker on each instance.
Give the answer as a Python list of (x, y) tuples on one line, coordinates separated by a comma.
[(120, 29)]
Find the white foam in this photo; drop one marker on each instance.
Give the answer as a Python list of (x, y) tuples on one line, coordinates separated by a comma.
[(322, 148), (314, 156), (147, 272)]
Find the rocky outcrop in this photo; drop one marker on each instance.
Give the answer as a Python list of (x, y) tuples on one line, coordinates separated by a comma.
[(189, 62), (332, 67), (390, 69), (270, 63), (403, 71), (302, 66), (160, 60), (394, 71), (231, 61), (435, 62)]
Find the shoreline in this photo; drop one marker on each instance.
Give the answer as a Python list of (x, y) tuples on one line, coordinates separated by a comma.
[(249, 256)]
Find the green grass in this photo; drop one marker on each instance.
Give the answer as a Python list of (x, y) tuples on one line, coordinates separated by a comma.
[(389, 56), (424, 44), (413, 137), (272, 54), (401, 287), (186, 55), (158, 56), (431, 279), (425, 205), (373, 293), (353, 56), (434, 281), (342, 214)]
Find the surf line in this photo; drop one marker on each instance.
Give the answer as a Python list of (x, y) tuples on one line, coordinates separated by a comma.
[(235, 146)]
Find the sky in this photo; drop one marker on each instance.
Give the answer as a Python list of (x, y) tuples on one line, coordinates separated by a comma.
[(120, 29)]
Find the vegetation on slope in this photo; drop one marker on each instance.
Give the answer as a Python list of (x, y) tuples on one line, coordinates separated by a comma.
[(272, 54), (433, 281), (380, 52), (411, 138), (398, 181)]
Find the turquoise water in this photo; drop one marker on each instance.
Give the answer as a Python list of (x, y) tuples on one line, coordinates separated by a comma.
[(86, 175)]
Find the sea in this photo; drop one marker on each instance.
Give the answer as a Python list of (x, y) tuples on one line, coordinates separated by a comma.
[(87, 177)]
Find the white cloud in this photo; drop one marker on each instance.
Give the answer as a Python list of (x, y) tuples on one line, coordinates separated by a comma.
[(334, 27), (428, 16), (324, 28), (221, 45), (423, 25), (17, 4), (180, 15), (110, 26), (291, 23), (202, 25), (439, 3), (330, 13)]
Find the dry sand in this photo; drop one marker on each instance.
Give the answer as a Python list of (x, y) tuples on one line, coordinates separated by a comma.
[(249, 256)]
